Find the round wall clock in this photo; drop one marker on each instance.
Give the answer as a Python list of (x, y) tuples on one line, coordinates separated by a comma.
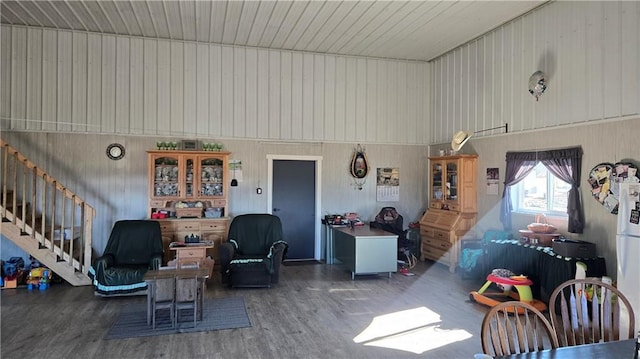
[(115, 151)]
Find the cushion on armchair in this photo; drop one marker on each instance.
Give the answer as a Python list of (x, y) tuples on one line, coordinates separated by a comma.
[(134, 247)]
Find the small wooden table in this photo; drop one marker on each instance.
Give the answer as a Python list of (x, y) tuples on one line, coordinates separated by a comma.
[(192, 252), (172, 272)]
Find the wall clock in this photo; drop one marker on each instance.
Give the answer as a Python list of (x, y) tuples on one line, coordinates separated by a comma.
[(115, 151)]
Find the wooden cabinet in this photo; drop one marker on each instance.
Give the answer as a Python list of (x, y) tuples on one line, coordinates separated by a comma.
[(209, 229), (452, 208), (190, 177), (453, 183)]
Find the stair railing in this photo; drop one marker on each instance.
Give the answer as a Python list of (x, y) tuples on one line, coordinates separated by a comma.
[(46, 210)]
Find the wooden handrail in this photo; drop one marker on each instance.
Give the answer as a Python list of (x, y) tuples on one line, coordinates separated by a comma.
[(34, 192), (30, 165)]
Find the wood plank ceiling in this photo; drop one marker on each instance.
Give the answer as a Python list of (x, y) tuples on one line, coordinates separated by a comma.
[(414, 30)]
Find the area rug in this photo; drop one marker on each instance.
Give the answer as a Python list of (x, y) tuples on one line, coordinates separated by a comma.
[(219, 313)]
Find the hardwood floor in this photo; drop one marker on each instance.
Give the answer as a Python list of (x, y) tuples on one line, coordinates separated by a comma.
[(316, 311)]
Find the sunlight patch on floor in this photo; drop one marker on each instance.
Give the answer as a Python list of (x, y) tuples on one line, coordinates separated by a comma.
[(414, 330)]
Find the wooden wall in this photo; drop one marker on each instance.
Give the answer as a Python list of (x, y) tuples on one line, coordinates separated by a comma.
[(590, 52), (67, 81)]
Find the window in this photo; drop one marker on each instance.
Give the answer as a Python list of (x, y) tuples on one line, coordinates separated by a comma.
[(541, 192), (545, 189)]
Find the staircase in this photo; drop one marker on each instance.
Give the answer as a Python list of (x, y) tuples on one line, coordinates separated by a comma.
[(44, 218)]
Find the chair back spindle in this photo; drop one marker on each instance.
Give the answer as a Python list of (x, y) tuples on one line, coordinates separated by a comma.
[(585, 311), (516, 327)]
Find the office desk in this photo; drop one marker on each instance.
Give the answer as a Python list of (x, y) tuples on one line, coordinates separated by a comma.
[(610, 350), (329, 234), (546, 269), (366, 250), (172, 272)]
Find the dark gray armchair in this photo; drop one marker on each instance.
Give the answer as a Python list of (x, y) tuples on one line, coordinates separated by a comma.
[(254, 250)]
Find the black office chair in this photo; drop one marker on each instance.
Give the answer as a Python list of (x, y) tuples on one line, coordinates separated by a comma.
[(388, 219)]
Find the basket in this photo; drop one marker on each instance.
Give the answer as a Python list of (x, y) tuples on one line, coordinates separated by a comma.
[(541, 225), (189, 212)]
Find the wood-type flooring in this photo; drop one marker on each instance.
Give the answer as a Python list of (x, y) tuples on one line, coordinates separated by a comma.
[(316, 311)]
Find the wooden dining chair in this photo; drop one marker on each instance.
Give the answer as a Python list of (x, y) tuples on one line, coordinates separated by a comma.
[(516, 327), (588, 310), (187, 296), (163, 299)]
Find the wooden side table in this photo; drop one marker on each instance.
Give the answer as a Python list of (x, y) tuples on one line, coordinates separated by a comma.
[(193, 252)]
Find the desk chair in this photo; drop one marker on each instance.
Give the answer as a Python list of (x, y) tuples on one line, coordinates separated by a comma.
[(505, 333), (389, 220), (580, 317)]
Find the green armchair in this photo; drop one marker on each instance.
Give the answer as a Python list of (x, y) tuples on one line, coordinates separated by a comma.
[(134, 247), (254, 251)]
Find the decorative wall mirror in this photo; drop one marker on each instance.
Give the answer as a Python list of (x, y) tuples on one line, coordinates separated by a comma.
[(359, 166)]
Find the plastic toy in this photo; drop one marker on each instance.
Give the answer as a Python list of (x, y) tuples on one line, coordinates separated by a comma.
[(506, 280), (39, 278)]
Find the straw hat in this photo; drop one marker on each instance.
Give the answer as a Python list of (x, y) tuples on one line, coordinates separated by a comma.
[(459, 139)]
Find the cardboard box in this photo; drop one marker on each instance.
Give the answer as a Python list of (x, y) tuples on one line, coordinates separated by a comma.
[(10, 283)]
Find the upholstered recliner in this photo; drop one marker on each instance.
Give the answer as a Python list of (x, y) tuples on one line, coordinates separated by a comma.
[(134, 247), (254, 250)]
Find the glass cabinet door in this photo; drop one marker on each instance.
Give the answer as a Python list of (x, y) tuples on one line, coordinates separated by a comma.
[(436, 181), (165, 182), (452, 181), (211, 177), (188, 181)]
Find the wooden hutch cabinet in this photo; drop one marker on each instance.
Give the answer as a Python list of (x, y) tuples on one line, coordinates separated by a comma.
[(452, 208), (198, 179)]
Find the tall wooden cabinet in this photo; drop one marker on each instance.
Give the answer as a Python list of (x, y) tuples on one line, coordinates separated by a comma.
[(196, 178), (452, 208)]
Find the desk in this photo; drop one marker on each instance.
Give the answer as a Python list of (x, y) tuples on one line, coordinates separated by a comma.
[(366, 250), (617, 349), (546, 269), (329, 241), (171, 272)]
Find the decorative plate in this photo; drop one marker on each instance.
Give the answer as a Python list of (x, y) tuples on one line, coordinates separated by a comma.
[(115, 151)]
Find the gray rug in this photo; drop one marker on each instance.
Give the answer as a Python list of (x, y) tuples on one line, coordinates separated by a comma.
[(219, 313)]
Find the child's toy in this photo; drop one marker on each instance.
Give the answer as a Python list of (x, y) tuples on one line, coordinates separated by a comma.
[(505, 280), (39, 278)]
